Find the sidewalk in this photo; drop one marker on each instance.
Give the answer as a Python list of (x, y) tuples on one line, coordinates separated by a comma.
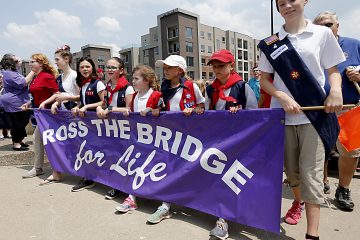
[(30, 211)]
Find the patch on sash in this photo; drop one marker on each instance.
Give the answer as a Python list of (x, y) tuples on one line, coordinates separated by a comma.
[(275, 54), (270, 40), (294, 75)]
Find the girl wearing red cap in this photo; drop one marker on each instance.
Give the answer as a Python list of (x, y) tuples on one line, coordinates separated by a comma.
[(227, 92), (179, 94), (118, 97)]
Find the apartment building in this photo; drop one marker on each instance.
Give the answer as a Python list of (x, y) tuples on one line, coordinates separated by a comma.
[(98, 53), (180, 32), (130, 56)]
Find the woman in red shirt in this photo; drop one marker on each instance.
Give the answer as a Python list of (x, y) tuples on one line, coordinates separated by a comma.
[(41, 88)]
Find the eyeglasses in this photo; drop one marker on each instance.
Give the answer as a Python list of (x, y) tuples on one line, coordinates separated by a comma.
[(111, 68), (329, 25)]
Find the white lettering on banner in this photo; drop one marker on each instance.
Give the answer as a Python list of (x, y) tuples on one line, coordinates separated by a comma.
[(218, 166), (112, 129), (233, 173), (88, 157), (140, 174), (64, 132)]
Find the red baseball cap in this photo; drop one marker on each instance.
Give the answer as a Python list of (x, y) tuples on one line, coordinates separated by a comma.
[(99, 70), (222, 55)]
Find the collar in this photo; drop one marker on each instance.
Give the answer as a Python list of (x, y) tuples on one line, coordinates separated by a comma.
[(309, 29), (147, 94)]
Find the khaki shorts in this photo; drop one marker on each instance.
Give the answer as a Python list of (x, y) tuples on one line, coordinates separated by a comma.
[(304, 161)]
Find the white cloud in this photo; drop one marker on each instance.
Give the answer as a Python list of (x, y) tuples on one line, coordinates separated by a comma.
[(107, 26), (52, 28), (114, 48)]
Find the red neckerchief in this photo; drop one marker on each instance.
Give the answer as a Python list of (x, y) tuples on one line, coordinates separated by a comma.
[(219, 89), (85, 81), (121, 83)]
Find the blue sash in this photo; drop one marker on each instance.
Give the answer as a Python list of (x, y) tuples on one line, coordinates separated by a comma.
[(303, 86)]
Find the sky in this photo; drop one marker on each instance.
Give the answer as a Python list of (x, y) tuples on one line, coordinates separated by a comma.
[(33, 26)]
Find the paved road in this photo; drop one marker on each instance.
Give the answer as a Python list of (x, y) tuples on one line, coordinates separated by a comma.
[(52, 212)]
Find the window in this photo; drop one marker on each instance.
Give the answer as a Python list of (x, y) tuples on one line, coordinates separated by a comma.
[(190, 61), (156, 50), (146, 53), (155, 38), (240, 67), (240, 54), (203, 75), (232, 40), (245, 44), (202, 48), (173, 32), (101, 58), (209, 49), (246, 77), (239, 43), (217, 44), (188, 32), (211, 75), (174, 47), (126, 58), (189, 46), (203, 61), (223, 39), (191, 74), (202, 34), (246, 67), (209, 36), (246, 56)]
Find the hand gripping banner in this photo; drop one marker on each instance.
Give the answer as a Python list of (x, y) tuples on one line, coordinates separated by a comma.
[(228, 165)]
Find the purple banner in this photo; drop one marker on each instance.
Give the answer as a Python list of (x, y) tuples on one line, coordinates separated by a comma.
[(228, 165)]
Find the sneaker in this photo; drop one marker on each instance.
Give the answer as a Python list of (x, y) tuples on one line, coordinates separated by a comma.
[(33, 173), (343, 199), (2, 137), (293, 215), (83, 184), (220, 230), (113, 193), (326, 187), (127, 205), (160, 214)]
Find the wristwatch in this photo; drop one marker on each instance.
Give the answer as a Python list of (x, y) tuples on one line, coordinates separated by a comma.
[(110, 108)]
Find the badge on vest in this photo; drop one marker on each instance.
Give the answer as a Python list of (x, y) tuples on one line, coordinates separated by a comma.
[(275, 54), (270, 40), (294, 75), (89, 93), (189, 104)]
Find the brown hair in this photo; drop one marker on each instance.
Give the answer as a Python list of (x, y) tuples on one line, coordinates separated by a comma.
[(64, 52), (45, 64), (148, 74), (201, 85)]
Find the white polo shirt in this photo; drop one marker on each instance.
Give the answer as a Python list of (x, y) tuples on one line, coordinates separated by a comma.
[(319, 49), (140, 102)]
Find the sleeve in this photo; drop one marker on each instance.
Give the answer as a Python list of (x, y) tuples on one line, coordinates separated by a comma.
[(51, 84), (198, 95), (251, 102), (18, 82), (129, 91), (264, 64), (332, 53), (100, 86)]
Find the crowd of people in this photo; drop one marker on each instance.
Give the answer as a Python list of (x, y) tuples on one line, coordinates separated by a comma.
[(306, 63)]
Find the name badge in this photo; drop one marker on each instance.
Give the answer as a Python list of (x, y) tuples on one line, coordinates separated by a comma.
[(274, 55)]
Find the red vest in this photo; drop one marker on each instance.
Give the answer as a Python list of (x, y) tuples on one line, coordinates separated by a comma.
[(152, 101), (188, 99)]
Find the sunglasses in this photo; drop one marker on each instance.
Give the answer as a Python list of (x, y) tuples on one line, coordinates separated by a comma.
[(329, 25), (111, 68)]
